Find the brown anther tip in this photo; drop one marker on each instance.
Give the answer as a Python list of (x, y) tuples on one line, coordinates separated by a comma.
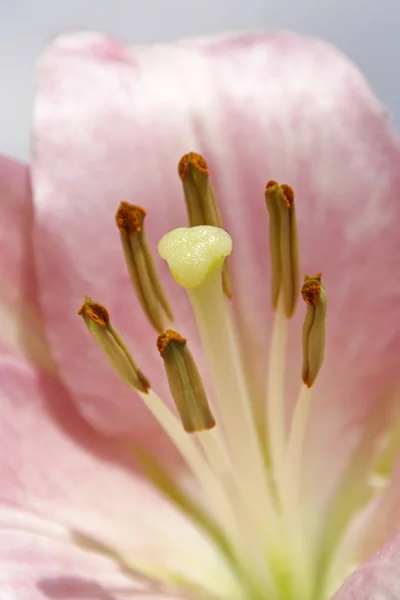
[(288, 194), (311, 289), (165, 338), (196, 160), (145, 383), (94, 311), (271, 183), (183, 166), (129, 218)]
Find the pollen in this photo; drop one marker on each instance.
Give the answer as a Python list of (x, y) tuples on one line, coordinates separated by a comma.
[(288, 194), (194, 159), (311, 289), (270, 184), (129, 218), (165, 338), (95, 312)]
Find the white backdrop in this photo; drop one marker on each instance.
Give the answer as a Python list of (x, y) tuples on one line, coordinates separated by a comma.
[(366, 30)]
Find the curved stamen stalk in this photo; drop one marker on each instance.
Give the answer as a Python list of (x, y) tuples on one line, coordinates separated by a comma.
[(277, 437)]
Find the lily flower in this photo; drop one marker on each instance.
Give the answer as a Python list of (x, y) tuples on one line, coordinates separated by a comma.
[(221, 421)]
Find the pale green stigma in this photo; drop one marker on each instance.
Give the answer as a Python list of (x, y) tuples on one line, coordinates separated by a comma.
[(194, 253)]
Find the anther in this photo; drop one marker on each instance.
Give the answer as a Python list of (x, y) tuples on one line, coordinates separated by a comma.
[(185, 382), (141, 266), (283, 243), (201, 203), (314, 296), (98, 322)]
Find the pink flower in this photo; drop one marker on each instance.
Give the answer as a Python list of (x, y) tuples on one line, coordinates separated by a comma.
[(97, 502)]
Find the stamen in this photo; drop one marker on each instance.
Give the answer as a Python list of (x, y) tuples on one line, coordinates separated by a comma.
[(201, 204), (293, 501), (283, 242), (314, 327), (141, 266), (185, 382), (99, 325)]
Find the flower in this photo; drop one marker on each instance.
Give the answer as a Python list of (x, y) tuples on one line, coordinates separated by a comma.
[(79, 518)]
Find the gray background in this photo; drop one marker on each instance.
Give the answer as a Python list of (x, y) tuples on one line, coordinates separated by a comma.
[(366, 30)]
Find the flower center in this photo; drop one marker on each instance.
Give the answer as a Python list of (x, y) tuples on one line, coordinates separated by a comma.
[(250, 474), (259, 507)]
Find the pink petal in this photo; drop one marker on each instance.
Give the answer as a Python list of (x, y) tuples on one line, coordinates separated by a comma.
[(17, 211), (54, 466), (381, 519), (111, 123), (35, 568), (100, 270), (52, 463), (377, 579), (20, 318)]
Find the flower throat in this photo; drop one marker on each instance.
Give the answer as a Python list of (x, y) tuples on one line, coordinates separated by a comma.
[(248, 474)]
